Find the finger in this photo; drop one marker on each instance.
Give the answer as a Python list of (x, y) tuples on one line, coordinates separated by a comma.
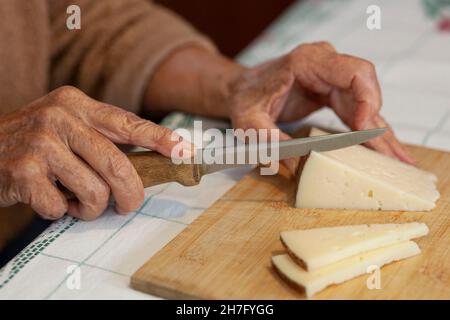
[(326, 69), (326, 45), (380, 144), (396, 149), (360, 78), (399, 151), (121, 126), (395, 145), (127, 128), (91, 190), (110, 163), (388, 143), (32, 186), (367, 95), (46, 199)]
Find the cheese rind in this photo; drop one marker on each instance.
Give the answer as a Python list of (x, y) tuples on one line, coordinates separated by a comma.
[(360, 178), (343, 270), (318, 247)]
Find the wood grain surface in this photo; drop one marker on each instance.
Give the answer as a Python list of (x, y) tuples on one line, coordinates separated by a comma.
[(225, 253), (155, 169)]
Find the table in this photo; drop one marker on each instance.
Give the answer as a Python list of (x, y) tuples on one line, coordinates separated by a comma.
[(94, 260)]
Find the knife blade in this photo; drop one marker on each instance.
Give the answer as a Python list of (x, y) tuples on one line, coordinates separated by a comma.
[(288, 148)]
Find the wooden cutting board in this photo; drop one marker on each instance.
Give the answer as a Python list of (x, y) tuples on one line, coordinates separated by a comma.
[(226, 253)]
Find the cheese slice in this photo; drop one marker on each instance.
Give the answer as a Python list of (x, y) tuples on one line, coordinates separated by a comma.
[(316, 248), (315, 281), (360, 178)]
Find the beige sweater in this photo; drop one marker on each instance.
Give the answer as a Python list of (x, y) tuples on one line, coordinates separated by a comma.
[(111, 58)]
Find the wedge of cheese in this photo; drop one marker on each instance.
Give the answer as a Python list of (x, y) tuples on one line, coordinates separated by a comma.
[(360, 178), (313, 282), (316, 248)]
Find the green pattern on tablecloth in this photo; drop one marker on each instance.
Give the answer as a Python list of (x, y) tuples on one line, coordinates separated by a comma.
[(8, 272), (434, 8), (56, 229)]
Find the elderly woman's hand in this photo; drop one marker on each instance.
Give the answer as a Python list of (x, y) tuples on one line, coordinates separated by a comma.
[(308, 78), (68, 137)]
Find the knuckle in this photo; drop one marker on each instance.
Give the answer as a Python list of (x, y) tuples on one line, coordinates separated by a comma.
[(162, 134), (310, 51), (8, 195), (304, 47), (44, 139), (26, 169), (358, 66), (126, 124), (133, 126), (325, 44), (65, 93), (102, 195), (366, 67), (49, 114), (99, 195), (298, 51), (308, 47), (120, 167)]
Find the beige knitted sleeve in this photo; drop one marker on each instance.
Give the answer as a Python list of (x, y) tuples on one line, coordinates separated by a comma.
[(120, 43)]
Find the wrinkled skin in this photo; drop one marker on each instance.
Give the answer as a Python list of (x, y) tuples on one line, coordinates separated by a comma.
[(69, 137), (310, 77)]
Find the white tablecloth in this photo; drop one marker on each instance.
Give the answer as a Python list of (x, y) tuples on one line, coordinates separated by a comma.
[(412, 57)]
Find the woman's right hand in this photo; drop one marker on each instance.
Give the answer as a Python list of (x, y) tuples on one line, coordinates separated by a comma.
[(68, 137)]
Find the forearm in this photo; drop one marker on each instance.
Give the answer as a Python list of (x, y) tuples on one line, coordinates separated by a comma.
[(192, 79)]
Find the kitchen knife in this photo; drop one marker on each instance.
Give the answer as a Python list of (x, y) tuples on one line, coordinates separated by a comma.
[(155, 169)]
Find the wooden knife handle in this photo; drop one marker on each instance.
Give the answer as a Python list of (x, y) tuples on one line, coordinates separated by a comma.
[(155, 169)]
